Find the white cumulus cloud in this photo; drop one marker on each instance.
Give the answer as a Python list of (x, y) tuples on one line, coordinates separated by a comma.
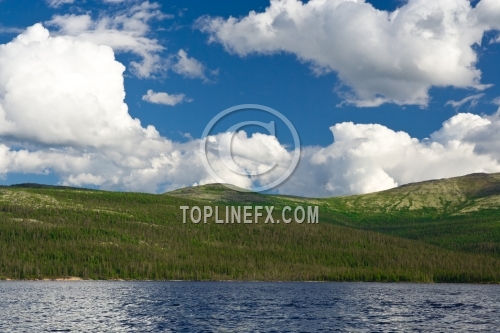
[(188, 66), (62, 111), (58, 3), (114, 1), (125, 31), (164, 98), (473, 99), (381, 57), (369, 157)]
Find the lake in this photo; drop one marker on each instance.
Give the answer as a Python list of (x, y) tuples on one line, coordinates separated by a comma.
[(100, 306)]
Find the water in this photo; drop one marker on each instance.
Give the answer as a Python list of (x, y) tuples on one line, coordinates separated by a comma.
[(247, 307)]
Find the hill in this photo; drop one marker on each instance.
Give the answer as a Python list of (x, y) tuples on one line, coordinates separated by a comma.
[(437, 231), (454, 196), (461, 213), (220, 193)]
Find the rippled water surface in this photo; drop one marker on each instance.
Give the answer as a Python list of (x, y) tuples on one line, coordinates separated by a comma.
[(246, 307)]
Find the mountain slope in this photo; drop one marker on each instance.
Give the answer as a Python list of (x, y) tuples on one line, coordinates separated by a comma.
[(445, 196), (461, 214), (440, 231), (220, 193)]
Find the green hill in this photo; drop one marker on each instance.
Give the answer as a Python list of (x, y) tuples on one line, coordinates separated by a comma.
[(436, 231), (454, 196), (220, 193), (461, 213)]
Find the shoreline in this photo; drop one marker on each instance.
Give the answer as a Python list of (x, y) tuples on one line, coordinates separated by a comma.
[(78, 279)]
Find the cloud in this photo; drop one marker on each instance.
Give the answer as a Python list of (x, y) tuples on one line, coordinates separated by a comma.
[(164, 98), (62, 112), (189, 67), (125, 31), (458, 127), (486, 14), (472, 99), (486, 139), (58, 3), (496, 101), (10, 30), (371, 157), (49, 76), (61, 105), (379, 56)]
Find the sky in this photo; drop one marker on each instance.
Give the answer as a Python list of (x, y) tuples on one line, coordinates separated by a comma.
[(116, 94)]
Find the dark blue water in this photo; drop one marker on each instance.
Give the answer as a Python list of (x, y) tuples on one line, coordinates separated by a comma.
[(246, 307)]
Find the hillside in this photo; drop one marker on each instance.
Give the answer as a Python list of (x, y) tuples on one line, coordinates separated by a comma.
[(454, 196), (461, 213), (220, 193), (441, 231)]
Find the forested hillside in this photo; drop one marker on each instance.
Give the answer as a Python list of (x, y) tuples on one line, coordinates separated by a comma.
[(437, 231)]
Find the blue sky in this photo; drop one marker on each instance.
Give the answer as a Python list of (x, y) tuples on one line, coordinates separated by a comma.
[(278, 76)]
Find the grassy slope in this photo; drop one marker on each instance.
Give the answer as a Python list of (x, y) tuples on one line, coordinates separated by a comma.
[(445, 197), (433, 231), (460, 213)]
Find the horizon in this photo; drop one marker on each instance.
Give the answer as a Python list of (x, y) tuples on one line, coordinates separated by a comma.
[(114, 95), (228, 186)]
